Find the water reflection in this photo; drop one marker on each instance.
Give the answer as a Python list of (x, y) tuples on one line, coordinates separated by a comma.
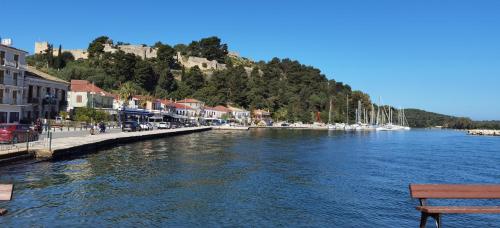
[(260, 177)]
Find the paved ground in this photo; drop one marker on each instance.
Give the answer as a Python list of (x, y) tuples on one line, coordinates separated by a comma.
[(69, 139), (79, 133)]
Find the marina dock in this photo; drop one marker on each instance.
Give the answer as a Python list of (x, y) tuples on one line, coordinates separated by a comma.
[(484, 132)]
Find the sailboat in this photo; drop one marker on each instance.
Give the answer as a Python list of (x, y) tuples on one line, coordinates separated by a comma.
[(330, 125), (390, 126)]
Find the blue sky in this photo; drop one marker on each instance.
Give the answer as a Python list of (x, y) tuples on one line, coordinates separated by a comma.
[(441, 56)]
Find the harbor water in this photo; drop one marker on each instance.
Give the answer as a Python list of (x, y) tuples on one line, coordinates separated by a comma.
[(257, 178)]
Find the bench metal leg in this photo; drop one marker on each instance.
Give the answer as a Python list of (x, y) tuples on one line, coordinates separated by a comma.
[(423, 219), (425, 216)]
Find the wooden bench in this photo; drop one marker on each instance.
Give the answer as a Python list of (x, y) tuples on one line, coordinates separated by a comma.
[(453, 191), (5, 195)]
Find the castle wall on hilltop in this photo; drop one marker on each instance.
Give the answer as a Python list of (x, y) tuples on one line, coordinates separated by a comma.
[(202, 63), (144, 52), (41, 48)]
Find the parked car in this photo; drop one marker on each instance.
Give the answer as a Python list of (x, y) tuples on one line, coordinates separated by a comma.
[(145, 126), (131, 126), (17, 133), (164, 125)]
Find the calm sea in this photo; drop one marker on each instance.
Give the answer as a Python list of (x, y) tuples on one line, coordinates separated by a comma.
[(257, 178)]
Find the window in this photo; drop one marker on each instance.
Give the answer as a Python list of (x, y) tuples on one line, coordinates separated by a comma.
[(14, 117), (14, 97), (2, 58), (30, 92), (78, 98), (3, 117), (1, 96), (2, 77), (16, 59), (15, 78)]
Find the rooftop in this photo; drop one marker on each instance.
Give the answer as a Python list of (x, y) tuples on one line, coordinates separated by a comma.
[(33, 72), (86, 86), (189, 100), (218, 108), (13, 48)]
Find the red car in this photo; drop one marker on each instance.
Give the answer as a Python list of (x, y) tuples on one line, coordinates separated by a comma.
[(17, 133)]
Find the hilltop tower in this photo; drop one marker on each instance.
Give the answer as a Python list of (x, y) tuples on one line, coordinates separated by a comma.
[(41, 47)]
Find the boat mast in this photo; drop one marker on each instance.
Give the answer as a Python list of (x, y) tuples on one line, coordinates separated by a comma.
[(347, 114), (360, 111), (330, 112)]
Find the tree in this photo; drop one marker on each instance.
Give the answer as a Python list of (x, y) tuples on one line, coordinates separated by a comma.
[(182, 91), (165, 53), (144, 75), (89, 115), (237, 85), (166, 83), (67, 57), (49, 56), (194, 78), (122, 66), (59, 62), (96, 47), (182, 48), (127, 91), (210, 48)]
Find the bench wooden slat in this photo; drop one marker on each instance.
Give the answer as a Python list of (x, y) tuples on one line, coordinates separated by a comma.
[(454, 191), (6, 192), (459, 209)]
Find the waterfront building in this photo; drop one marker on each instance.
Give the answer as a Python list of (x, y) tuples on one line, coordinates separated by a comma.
[(44, 94), (85, 94), (239, 115), (185, 112), (193, 103), (217, 113), (262, 117), (25, 92), (12, 68)]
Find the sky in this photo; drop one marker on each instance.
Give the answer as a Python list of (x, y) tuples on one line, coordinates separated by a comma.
[(441, 56)]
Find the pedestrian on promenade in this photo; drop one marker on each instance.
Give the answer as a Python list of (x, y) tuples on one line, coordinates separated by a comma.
[(45, 124)]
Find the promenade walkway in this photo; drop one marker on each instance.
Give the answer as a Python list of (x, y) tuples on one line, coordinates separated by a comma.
[(82, 142)]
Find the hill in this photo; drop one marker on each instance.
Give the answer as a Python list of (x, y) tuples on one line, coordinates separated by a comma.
[(205, 70), (423, 119)]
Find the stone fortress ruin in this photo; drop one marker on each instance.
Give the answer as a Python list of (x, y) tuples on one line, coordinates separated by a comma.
[(143, 51)]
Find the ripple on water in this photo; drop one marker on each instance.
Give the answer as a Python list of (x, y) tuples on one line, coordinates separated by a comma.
[(254, 178)]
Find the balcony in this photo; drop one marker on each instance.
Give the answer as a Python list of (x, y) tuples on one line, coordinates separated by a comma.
[(63, 104), (49, 101), (33, 100)]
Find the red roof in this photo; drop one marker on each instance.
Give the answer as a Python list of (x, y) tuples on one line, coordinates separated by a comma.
[(189, 100), (86, 86), (166, 101), (218, 108), (181, 106)]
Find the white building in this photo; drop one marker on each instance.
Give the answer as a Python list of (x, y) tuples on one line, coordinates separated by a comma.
[(12, 67), (85, 94), (240, 115), (216, 113)]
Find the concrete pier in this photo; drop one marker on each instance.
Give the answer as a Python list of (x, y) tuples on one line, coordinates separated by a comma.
[(484, 132), (67, 146)]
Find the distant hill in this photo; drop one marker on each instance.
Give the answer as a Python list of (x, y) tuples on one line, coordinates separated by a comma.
[(423, 119)]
